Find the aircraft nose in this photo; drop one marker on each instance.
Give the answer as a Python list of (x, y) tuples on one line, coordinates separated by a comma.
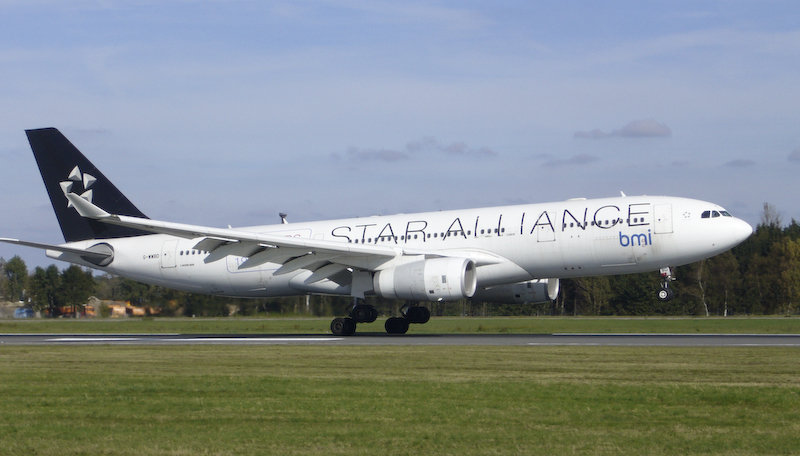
[(741, 230)]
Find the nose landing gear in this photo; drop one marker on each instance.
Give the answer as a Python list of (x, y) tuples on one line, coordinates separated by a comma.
[(665, 293)]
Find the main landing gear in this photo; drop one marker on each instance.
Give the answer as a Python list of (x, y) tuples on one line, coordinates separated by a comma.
[(412, 313), (665, 293), (362, 313), (358, 314)]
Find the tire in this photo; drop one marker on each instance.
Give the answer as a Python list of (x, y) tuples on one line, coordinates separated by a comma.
[(418, 315), (349, 327), (365, 314), (337, 326), (665, 294), (373, 315), (396, 325), (361, 314)]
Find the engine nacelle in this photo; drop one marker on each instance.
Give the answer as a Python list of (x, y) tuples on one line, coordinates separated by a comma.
[(445, 279), (532, 291)]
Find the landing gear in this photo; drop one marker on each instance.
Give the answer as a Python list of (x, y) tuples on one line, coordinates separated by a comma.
[(343, 326), (363, 313), (412, 313), (358, 314), (665, 293)]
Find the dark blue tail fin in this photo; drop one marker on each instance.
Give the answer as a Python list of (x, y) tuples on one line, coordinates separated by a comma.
[(64, 169)]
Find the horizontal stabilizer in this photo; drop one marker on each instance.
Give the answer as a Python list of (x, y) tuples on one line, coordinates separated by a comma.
[(99, 254)]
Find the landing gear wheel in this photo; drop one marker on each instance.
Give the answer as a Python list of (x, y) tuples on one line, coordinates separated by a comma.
[(365, 314), (343, 326), (373, 315), (665, 294), (395, 325), (418, 315)]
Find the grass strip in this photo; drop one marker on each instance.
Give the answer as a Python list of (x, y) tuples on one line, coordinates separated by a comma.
[(437, 325), (241, 400)]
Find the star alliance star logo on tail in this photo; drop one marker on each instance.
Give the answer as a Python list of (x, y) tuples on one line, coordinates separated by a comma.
[(85, 179)]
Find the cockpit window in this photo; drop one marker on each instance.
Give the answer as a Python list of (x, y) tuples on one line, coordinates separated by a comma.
[(715, 214)]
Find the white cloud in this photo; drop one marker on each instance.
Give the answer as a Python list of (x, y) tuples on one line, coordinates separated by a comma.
[(427, 145), (636, 129), (740, 163), (577, 160)]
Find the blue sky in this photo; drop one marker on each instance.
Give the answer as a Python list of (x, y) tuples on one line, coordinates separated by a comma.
[(228, 112)]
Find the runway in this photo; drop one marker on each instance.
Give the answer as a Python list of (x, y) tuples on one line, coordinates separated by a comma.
[(379, 339)]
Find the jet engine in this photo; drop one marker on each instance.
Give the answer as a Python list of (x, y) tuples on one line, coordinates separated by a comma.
[(436, 279), (532, 291)]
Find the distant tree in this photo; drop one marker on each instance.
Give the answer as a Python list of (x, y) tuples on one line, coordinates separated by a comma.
[(134, 292), (587, 295), (2, 278), (76, 287), (789, 263), (45, 285), (108, 287), (770, 216), (635, 294), (723, 282), (16, 279)]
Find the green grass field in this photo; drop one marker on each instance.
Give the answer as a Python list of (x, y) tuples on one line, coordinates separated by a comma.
[(437, 325), (298, 400)]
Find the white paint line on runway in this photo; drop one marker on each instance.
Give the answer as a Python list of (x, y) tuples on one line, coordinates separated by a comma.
[(253, 339), (93, 339)]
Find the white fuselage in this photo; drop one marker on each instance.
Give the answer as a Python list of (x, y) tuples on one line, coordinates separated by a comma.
[(551, 240)]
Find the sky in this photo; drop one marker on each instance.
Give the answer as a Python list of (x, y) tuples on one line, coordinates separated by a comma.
[(228, 112)]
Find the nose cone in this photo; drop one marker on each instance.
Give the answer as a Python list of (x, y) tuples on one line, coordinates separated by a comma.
[(741, 231)]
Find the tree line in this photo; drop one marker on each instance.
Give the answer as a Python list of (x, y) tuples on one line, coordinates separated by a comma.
[(759, 277)]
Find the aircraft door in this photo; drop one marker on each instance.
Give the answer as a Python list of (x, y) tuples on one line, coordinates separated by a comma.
[(663, 218), (545, 228), (168, 250)]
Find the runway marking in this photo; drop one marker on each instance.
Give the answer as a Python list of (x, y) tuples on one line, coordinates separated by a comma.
[(93, 339), (254, 339), (197, 339)]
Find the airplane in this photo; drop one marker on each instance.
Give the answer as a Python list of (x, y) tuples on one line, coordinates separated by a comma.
[(509, 254)]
